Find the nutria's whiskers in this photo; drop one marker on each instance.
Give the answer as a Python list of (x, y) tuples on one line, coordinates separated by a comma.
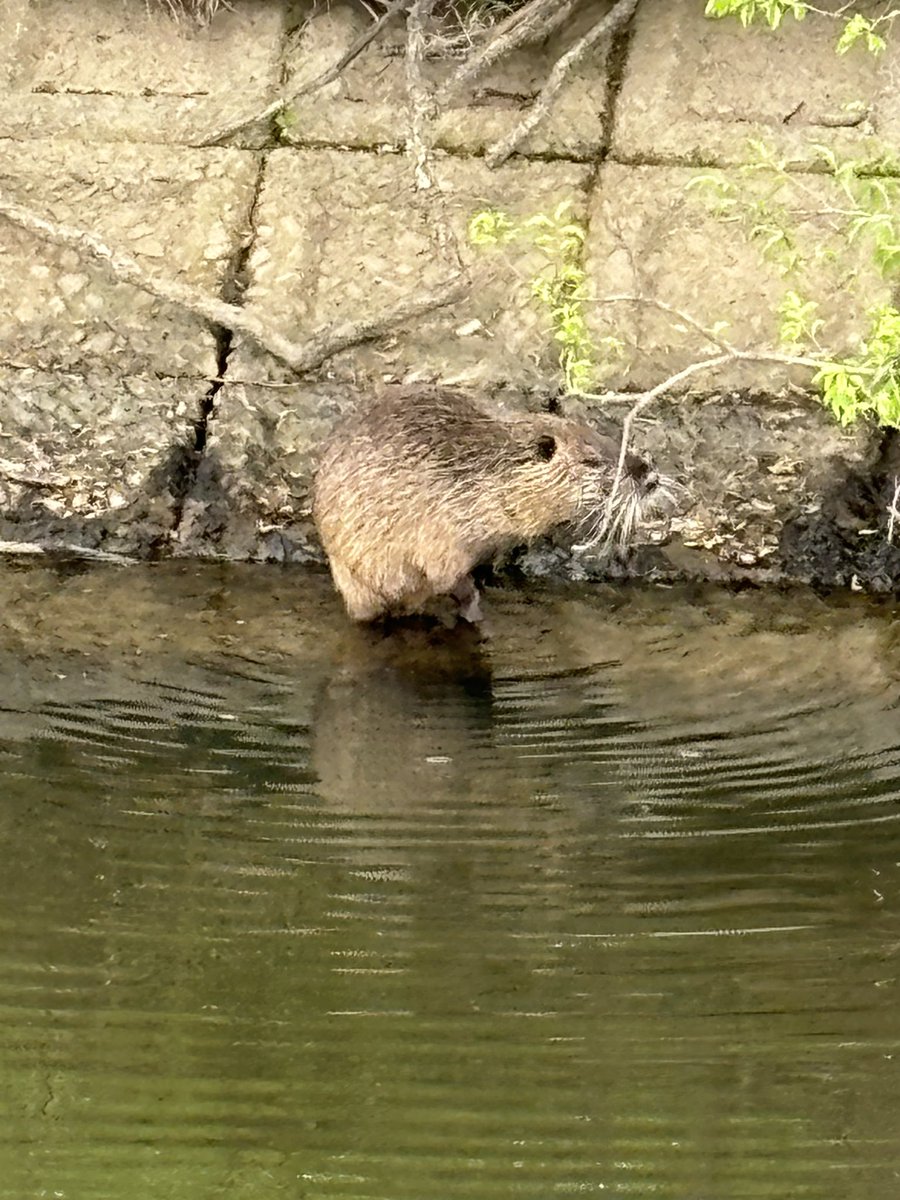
[(639, 499)]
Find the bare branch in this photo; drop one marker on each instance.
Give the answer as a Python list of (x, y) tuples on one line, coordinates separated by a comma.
[(301, 357), (643, 400), (69, 549), (535, 20), (617, 16), (421, 103), (286, 99), (678, 313), (893, 512), (331, 339)]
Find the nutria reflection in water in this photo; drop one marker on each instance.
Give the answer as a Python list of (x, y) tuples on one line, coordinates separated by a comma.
[(415, 491)]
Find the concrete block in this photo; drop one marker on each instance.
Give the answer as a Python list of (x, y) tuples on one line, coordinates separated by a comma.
[(697, 90), (250, 498), (111, 70), (340, 235), (179, 212), (94, 460)]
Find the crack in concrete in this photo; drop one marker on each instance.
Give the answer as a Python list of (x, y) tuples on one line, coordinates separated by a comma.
[(186, 466)]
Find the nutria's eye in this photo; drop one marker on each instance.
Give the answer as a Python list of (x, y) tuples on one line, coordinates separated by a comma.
[(545, 447)]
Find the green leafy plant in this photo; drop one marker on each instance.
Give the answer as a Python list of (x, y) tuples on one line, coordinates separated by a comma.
[(867, 383), (799, 323), (857, 27), (867, 208), (771, 11), (559, 286)]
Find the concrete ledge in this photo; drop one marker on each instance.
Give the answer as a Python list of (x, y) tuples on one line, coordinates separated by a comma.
[(94, 460)]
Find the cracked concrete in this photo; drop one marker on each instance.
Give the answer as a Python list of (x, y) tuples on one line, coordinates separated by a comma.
[(130, 425)]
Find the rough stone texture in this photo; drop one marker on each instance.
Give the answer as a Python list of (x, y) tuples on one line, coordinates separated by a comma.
[(339, 237), (108, 70), (753, 465), (697, 91), (250, 498), (181, 213), (366, 107), (93, 460), (651, 235)]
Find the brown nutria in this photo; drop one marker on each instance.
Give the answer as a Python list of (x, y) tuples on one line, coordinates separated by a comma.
[(419, 488)]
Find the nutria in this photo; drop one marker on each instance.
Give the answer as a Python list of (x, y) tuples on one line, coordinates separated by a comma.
[(419, 488)]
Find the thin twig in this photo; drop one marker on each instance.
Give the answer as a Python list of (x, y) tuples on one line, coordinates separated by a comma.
[(421, 102), (893, 513), (286, 99), (331, 339), (678, 313), (68, 548), (12, 473), (536, 19), (301, 357), (621, 11)]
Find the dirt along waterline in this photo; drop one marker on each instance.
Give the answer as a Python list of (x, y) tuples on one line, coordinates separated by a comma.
[(608, 902)]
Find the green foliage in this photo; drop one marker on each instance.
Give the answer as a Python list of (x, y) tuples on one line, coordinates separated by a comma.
[(284, 121), (873, 191), (867, 209), (772, 11), (867, 383), (799, 324), (857, 27), (753, 201), (559, 286)]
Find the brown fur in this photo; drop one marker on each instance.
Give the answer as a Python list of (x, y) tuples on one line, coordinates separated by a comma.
[(416, 490)]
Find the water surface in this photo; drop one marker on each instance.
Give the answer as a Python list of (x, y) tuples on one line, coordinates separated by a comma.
[(609, 903)]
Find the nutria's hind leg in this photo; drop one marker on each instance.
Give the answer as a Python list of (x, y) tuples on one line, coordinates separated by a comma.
[(362, 602), (469, 599)]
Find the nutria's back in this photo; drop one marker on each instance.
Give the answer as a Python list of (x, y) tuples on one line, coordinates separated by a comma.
[(416, 490)]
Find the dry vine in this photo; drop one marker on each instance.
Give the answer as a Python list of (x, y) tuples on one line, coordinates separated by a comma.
[(615, 19)]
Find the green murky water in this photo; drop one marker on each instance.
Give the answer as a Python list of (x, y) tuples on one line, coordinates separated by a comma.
[(609, 905)]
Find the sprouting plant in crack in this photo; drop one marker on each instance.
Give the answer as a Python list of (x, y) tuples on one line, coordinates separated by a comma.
[(560, 284), (858, 28)]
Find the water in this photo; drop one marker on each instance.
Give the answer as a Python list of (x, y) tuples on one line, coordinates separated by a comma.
[(610, 905)]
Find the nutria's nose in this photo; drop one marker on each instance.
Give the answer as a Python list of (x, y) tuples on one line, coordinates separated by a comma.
[(641, 472)]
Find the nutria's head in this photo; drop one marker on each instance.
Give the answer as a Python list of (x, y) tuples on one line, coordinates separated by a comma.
[(572, 477)]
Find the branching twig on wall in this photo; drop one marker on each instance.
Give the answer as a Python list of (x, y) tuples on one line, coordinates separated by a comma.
[(301, 357), (421, 103), (618, 15), (286, 99), (536, 19)]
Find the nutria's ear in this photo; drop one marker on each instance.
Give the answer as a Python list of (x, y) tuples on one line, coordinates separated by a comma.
[(545, 447)]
